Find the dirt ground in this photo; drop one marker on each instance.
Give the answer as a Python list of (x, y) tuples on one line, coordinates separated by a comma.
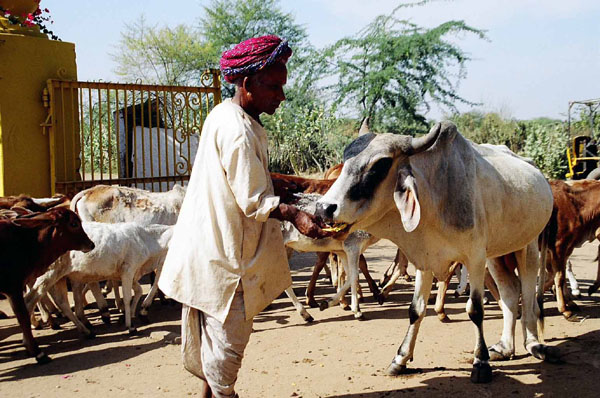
[(335, 356)]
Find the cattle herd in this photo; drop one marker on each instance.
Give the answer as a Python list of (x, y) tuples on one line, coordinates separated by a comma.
[(444, 201)]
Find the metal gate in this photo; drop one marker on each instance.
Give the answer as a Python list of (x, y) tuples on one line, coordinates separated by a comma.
[(137, 135)]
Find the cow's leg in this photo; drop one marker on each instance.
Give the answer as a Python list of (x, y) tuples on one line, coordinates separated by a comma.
[(107, 287), (594, 287), (150, 297), (482, 372), (127, 284), (560, 286), (509, 289), (573, 281), (310, 289), (440, 298), (463, 277), (20, 309), (400, 266), (490, 284), (100, 301), (80, 302), (60, 297), (362, 263), (118, 301), (298, 305), (137, 295), (391, 269), (528, 263), (416, 312), (350, 264)]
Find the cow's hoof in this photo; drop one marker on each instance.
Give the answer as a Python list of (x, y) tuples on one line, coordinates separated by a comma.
[(359, 316), (456, 295), (309, 319), (443, 317), (496, 353), (90, 335), (133, 331), (593, 289), (42, 358), (569, 316), (323, 305), (481, 373), (55, 326), (105, 319), (546, 353), (4, 316), (395, 370), (380, 299), (312, 303)]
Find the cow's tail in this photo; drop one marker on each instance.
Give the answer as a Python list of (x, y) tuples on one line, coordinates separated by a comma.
[(546, 239), (76, 199)]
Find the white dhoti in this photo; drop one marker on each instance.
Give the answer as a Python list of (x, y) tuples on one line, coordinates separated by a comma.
[(213, 350)]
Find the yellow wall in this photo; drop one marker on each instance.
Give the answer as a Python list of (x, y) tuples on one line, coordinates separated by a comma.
[(26, 63)]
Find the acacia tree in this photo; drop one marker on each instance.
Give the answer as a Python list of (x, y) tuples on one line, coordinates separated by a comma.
[(171, 56), (393, 69)]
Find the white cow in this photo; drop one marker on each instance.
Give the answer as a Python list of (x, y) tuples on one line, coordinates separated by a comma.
[(442, 199), (123, 251), (113, 204)]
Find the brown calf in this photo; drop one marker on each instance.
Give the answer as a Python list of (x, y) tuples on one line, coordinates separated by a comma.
[(29, 245), (576, 215)]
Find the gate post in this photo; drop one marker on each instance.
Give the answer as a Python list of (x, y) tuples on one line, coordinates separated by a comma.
[(26, 63)]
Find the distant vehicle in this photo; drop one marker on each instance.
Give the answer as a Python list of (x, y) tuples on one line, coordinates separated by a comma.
[(583, 150)]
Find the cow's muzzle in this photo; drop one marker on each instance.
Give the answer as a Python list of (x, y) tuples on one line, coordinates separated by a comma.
[(325, 210)]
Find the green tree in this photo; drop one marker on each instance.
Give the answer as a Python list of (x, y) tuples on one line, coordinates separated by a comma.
[(393, 69), (170, 56), (228, 22)]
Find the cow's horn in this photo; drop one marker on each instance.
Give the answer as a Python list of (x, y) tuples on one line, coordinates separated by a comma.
[(364, 127), (421, 144)]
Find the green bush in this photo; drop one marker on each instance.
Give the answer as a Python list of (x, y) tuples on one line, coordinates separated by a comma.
[(305, 139), (546, 143)]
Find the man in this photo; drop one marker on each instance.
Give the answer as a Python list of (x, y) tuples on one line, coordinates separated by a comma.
[(226, 260)]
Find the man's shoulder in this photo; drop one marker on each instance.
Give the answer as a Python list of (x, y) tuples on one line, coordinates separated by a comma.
[(228, 115)]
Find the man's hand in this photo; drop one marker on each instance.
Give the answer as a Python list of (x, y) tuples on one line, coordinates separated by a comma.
[(304, 222), (285, 190)]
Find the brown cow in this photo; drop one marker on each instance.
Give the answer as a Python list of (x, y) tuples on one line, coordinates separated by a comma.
[(576, 216), (33, 204), (29, 245)]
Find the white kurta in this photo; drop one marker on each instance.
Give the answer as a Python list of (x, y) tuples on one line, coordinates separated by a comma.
[(223, 233)]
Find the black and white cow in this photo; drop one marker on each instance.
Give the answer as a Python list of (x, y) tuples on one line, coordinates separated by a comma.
[(443, 199)]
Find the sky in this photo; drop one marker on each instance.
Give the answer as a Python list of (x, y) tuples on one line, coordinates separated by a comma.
[(540, 54)]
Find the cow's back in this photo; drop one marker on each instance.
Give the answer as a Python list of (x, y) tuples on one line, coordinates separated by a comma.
[(482, 193), (111, 204)]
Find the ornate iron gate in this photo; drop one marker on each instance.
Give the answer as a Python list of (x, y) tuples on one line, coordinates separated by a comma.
[(127, 134)]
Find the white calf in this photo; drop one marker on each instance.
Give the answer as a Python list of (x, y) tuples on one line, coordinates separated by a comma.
[(124, 251)]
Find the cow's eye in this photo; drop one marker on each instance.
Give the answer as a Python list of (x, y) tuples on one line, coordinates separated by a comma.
[(381, 167), (74, 224), (371, 180)]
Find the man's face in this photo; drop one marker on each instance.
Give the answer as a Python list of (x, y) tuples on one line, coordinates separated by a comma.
[(266, 88)]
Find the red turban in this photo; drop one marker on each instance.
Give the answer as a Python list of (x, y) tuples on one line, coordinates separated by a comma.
[(252, 55)]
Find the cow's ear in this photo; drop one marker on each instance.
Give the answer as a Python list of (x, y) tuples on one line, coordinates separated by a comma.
[(407, 200)]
